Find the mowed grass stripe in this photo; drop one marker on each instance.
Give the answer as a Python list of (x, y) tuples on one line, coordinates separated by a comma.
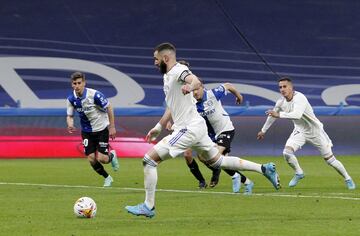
[(312, 195)]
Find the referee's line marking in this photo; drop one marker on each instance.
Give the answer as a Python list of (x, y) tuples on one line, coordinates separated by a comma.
[(333, 195)]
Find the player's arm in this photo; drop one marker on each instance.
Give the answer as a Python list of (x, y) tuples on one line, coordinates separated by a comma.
[(269, 121), (299, 106), (70, 124), (191, 83), (154, 132), (112, 129), (70, 117), (298, 110), (231, 88)]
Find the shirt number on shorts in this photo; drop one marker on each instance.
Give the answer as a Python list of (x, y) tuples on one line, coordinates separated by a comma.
[(85, 142)]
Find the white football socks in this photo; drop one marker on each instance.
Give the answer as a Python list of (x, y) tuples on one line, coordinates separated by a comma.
[(150, 181), (292, 161), (339, 167), (235, 163)]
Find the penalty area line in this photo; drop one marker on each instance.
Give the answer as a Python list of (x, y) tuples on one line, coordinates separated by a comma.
[(284, 195)]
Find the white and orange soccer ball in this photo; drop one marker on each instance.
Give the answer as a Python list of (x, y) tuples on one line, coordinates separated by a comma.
[(85, 207)]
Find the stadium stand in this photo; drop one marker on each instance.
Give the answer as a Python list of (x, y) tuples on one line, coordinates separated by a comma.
[(314, 42)]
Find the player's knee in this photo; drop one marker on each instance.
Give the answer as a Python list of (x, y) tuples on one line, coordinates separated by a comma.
[(188, 157), (147, 160), (216, 162), (103, 158), (329, 158), (288, 153), (91, 158)]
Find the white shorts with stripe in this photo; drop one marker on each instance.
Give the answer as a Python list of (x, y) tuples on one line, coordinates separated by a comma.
[(319, 139), (193, 136)]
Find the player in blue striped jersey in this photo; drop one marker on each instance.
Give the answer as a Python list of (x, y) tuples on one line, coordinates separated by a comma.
[(220, 130), (97, 124)]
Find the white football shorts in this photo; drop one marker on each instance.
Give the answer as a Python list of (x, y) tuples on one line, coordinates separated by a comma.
[(193, 136), (320, 140)]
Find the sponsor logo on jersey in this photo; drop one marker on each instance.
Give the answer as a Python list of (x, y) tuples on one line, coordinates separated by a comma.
[(206, 113)]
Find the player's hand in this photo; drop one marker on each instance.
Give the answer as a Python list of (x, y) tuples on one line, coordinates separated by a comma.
[(71, 129), (260, 135), (272, 113), (112, 132), (239, 100), (186, 88), (169, 126), (152, 135)]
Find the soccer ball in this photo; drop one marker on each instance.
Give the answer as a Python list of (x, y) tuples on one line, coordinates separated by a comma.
[(85, 207)]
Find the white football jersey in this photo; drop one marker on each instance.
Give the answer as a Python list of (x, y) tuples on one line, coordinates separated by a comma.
[(211, 109), (299, 111), (182, 107), (91, 108)]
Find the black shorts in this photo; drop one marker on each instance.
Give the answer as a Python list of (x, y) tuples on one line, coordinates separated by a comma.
[(224, 139), (96, 141)]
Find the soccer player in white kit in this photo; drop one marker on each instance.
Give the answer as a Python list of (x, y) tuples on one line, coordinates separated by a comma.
[(97, 124), (307, 129), (189, 131)]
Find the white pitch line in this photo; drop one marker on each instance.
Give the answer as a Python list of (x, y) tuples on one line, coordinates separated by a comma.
[(316, 195)]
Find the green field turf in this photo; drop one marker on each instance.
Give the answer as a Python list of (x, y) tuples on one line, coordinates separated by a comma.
[(37, 198)]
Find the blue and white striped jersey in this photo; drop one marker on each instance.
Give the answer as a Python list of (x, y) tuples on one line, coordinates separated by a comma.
[(91, 108), (211, 109)]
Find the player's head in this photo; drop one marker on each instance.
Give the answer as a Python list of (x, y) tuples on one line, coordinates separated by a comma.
[(164, 56), (78, 82), (199, 93), (286, 87)]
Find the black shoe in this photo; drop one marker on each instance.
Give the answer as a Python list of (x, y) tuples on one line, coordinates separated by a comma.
[(202, 185), (215, 178)]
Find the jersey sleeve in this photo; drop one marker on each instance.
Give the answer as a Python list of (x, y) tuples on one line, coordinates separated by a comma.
[(299, 107), (101, 100), (270, 120), (219, 92), (183, 75), (69, 108)]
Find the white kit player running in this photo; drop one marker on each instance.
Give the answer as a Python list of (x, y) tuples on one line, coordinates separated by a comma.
[(97, 124), (307, 129), (189, 131)]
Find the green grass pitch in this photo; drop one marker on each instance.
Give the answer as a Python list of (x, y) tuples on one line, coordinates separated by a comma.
[(37, 197)]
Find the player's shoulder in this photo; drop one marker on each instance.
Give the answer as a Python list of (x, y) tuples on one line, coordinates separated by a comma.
[(299, 96), (219, 89), (90, 91), (280, 101), (179, 68), (93, 93), (71, 97)]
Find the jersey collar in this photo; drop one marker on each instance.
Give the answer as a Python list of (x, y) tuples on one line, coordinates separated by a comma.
[(83, 95)]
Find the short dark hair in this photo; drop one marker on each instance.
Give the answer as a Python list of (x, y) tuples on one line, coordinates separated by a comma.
[(285, 78), (76, 75), (184, 63), (165, 46)]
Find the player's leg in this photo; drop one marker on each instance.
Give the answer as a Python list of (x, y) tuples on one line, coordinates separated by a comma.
[(211, 154), (170, 146), (194, 168), (224, 145), (294, 142), (324, 145), (147, 208), (236, 163), (90, 144), (215, 177), (104, 156)]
